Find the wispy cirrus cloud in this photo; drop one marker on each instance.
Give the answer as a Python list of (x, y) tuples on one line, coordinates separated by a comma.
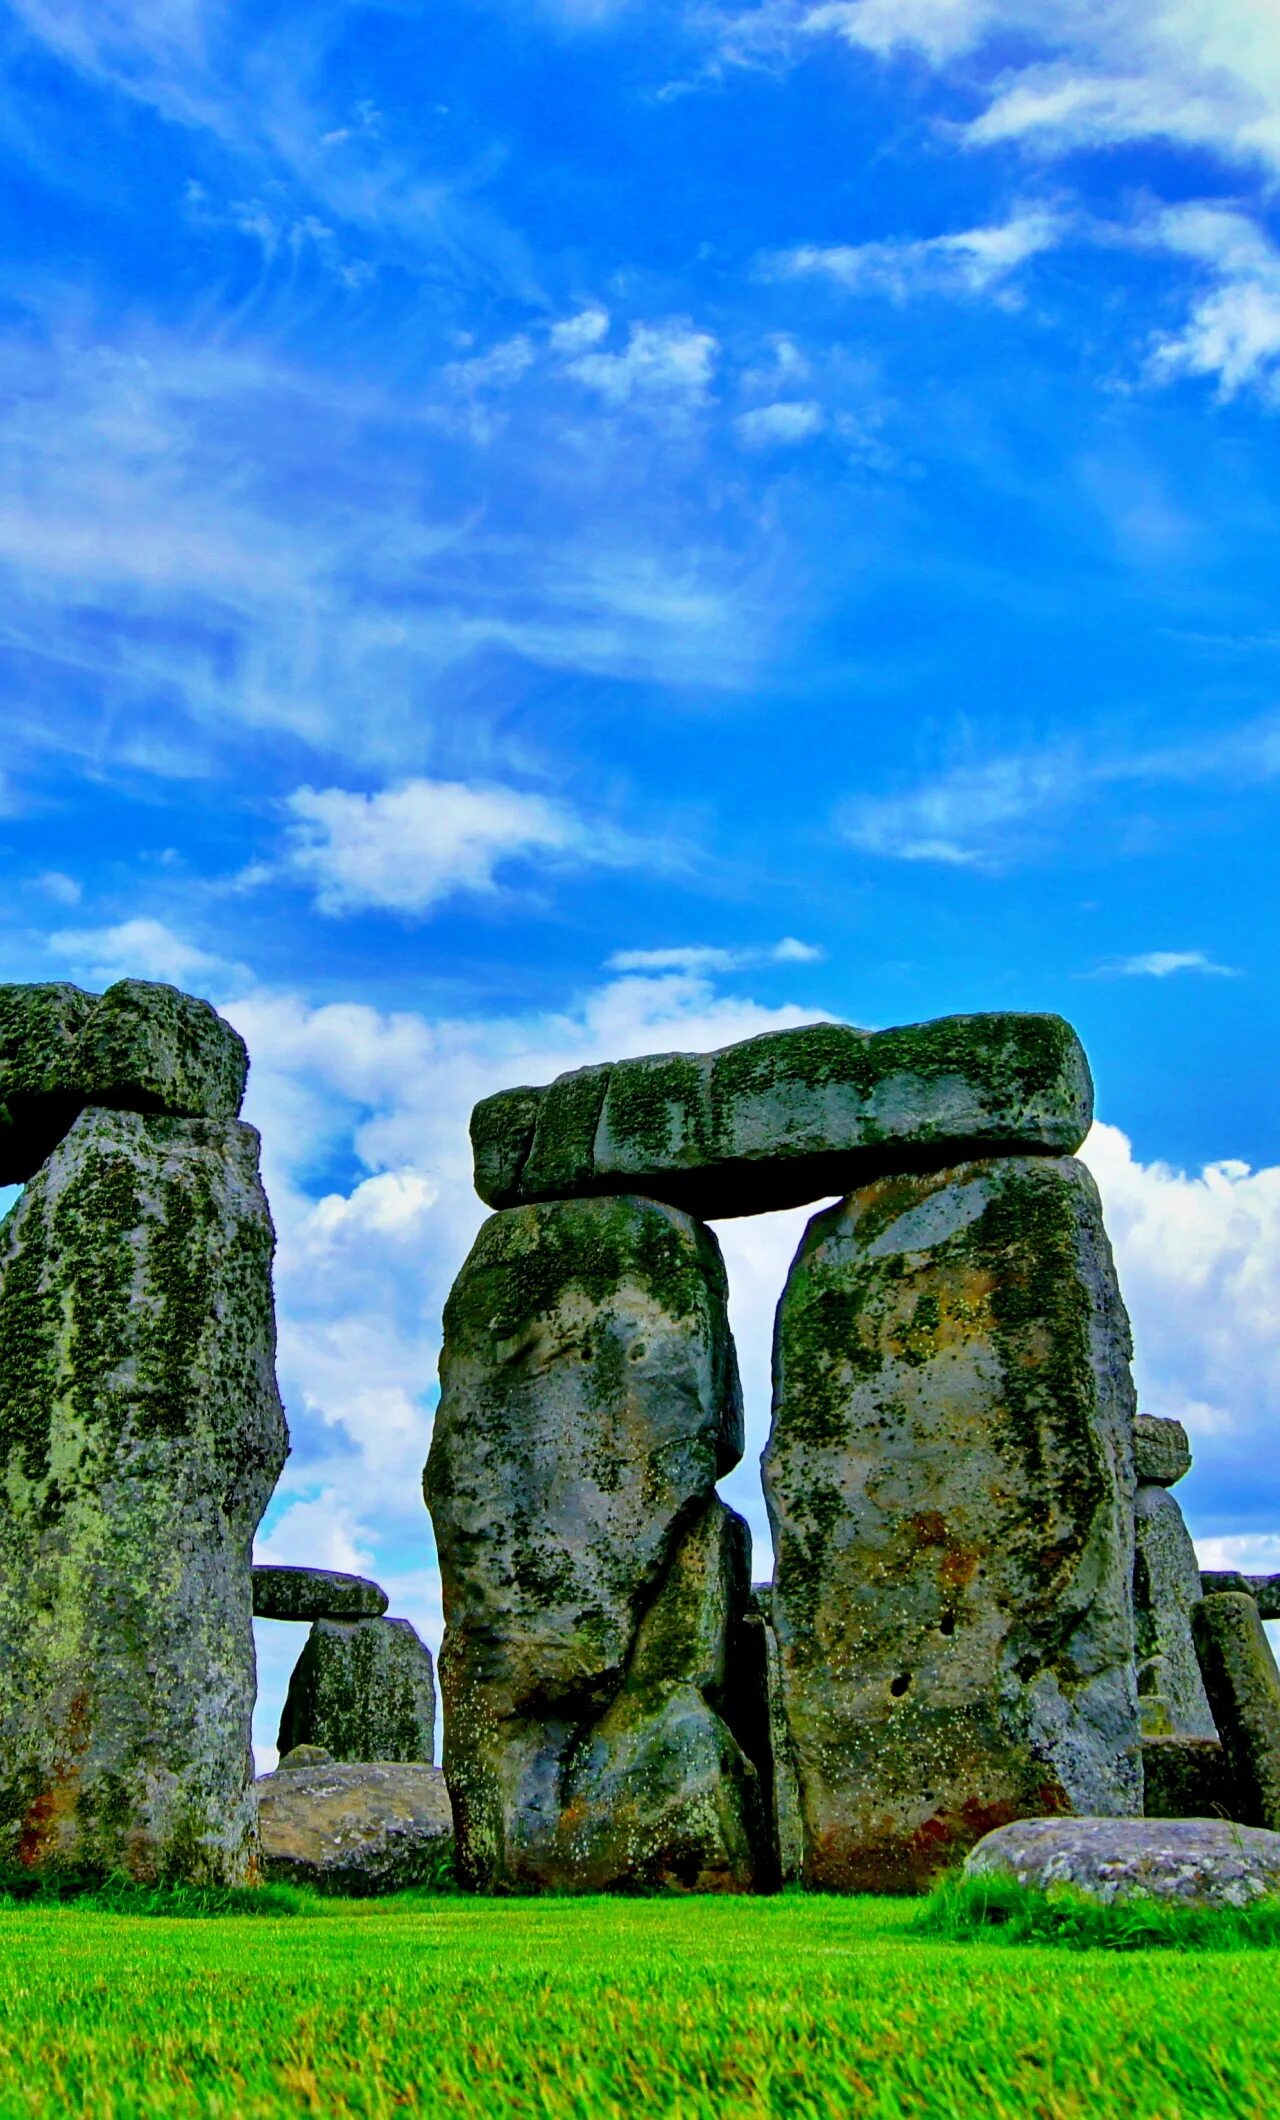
[(974, 261), (701, 960), (1232, 332), (1162, 964)]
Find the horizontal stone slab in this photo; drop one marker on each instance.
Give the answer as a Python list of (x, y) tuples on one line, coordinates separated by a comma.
[(1264, 1589), (314, 1593), (1161, 1452), (790, 1116), (140, 1047)]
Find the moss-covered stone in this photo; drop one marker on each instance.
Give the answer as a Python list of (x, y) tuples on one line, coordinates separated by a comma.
[(364, 1689), (1166, 1589), (788, 1116), (589, 1399), (141, 1435), (1186, 1777), (1263, 1589), (314, 1593), (140, 1047), (1243, 1686), (950, 1479), (1161, 1452)]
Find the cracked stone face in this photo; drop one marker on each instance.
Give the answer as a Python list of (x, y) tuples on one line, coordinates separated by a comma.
[(950, 1479), (594, 1668), (141, 1435)]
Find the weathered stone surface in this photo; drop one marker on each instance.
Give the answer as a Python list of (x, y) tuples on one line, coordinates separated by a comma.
[(589, 1400), (314, 1593), (364, 1689), (1166, 1588), (950, 1482), (1243, 1686), (789, 1116), (302, 1756), (1161, 1452), (362, 1829), (1263, 1589), (139, 1047), (1193, 1861), (787, 1823), (141, 1435), (1186, 1777)]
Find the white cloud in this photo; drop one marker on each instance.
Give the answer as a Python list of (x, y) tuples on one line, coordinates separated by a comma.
[(973, 261), (577, 334), (497, 369), (701, 959), (662, 364), (407, 848), (1161, 964), (1233, 331), (778, 426), (138, 949), (63, 889)]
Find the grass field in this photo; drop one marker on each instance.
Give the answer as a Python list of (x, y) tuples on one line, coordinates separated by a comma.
[(791, 2006)]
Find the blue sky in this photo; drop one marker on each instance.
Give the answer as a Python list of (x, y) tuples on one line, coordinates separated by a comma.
[(538, 531)]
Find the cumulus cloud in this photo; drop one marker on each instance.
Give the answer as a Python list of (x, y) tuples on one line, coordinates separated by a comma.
[(973, 261), (138, 949), (668, 364), (780, 425)]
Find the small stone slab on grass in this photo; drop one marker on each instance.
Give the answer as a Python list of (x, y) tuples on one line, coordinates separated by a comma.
[(788, 1117), (363, 1828), (1191, 1861), (314, 1593)]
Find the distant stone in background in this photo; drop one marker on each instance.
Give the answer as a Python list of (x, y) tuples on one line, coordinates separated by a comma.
[(1166, 1589), (1263, 1589), (788, 1826), (1186, 1777), (1161, 1452), (314, 1593), (1191, 1861), (950, 1481), (1243, 1687), (140, 1047), (789, 1116), (141, 1435), (365, 1690), (302, 1756), (357, 1828), (593, 1593)]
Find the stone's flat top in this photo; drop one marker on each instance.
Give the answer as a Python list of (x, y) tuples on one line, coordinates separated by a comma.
[(1195, 1861), (1264, 1589), (314, 1593), (789, 1116), (1161, 1452), (375, 1826)]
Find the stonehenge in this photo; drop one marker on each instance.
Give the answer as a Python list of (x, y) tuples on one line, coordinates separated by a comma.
[(141, 1434)]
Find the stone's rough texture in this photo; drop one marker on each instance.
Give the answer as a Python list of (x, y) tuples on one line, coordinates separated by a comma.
[(364, 1689), (1192, 1861), (138, 1047), (302, 1756), (787, 1823), (593, 1597), (341, 1827), (1186, 1777), (141, 1435), (1166, 1588), (314, 1593), (950, 1482), (1263, 1589), (1243, 1686), (789, 1116), (1161, 1452)]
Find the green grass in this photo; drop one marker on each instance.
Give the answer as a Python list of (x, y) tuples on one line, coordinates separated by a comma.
[(996, 1910), (599, 2008)]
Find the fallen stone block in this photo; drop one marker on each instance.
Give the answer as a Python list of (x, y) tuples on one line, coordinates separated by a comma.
[(364, 1689), (141, 1435), (139, 1047), (593, 1586), (359, 1829), (950, 1481), (789, 1116), (1200, 1862), (1263, 1589), (1161, 1452), (1166, 1590), (1186, 1777), (281, 1592), (1243, 1686)]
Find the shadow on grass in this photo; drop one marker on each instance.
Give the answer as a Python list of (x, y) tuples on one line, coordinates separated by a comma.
[(996, 1910)]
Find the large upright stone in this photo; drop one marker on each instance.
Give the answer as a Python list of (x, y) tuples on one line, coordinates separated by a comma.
[(364, 1689), (593, 1589), (141, 1435), (1243, 1686), (1263, 1589), (140, 1047), (1166, 1589), (950, 1479), (788, 1116)]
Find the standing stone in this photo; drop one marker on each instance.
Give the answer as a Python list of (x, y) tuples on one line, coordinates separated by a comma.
[(1243, 1686), (787, 1821), (1263, 1589), (950, 1479), (1166, 1588), (592, 1594), (141, 1434), (364, 1689)]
